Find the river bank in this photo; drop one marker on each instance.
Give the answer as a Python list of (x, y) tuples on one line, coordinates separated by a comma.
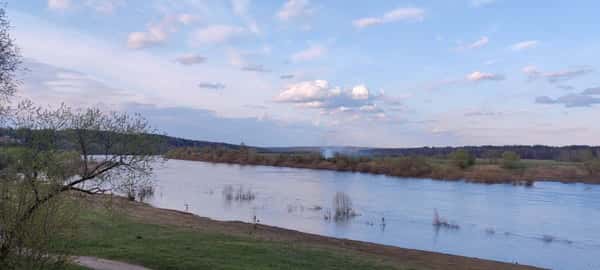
[(525, 172), (168, 239)]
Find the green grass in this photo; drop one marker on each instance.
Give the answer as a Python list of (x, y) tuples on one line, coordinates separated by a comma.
[(160, 247)]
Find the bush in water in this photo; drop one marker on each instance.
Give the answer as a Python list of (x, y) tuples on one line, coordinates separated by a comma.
[(440, 222), (239, 194), (342, 205)]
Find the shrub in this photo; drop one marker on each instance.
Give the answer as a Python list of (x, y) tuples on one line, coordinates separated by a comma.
[(342, 205), (409, 166), (440, 222), (511, 160), (240, 194), (462, 159)]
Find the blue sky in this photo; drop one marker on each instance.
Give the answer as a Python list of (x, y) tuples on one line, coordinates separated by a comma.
[(302, 72)]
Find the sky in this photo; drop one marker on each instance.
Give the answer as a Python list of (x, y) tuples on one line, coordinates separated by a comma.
[(305, 72)]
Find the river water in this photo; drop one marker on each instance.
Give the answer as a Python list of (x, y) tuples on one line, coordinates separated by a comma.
[(551, 225)]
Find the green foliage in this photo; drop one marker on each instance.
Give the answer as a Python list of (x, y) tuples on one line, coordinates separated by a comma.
[(462, 158), (511, 160)]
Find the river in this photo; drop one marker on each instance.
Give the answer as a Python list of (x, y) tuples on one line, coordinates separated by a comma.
[(550, 224)]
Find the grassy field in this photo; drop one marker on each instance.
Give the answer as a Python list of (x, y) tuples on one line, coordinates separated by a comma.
[(115, 236), (167, 239)]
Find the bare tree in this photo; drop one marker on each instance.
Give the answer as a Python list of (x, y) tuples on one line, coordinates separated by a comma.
[(61, 152), (58, 153)]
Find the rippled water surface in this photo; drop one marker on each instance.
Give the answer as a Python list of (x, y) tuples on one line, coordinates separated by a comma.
[(550, 225)]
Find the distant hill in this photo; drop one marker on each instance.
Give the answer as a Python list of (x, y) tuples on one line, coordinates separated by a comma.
[(567, 153), (174, 142), (564, 153), (164, 143)]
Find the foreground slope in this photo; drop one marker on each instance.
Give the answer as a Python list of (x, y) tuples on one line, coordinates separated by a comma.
[(167, 239)]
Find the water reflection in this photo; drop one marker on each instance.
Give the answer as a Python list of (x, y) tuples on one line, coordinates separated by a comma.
[(548, 224)]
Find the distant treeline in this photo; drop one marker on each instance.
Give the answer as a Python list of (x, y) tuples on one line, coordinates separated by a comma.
[(575, 153), (67, 138)]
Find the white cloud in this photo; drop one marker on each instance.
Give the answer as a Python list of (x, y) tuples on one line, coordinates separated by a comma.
[(360, 92), (524, 45), (308, 91), (318, 94), (154, 36), (365, 22), (59, 4), (54, 85), (190, 59), (170, 82), (294, 9), (215, 34), (370, 108), (479, 43), (311, 53), (400, 14), (482, 76), (157, 34)]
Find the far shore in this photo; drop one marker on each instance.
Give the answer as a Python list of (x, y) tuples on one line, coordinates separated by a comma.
[(483, 171)]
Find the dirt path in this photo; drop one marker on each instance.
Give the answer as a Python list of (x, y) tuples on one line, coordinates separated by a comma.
[(102, 264)]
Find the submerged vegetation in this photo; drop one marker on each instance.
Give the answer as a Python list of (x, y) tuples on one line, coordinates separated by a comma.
[(440, 222), (342, 205), (239, 194), (503, 167)]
